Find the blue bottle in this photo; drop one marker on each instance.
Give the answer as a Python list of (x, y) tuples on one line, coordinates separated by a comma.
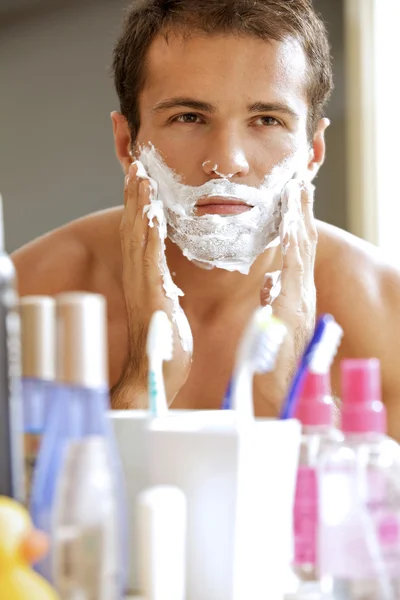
[(38, 373), (78, 413)]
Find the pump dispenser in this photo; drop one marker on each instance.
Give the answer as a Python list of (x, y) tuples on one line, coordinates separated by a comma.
[(360, 495), (316, 411)]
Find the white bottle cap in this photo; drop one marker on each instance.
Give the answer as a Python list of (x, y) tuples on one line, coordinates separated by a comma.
[(162, 543), (38, 315), (82, 357)]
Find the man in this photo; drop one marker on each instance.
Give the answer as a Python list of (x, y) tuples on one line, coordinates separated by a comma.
[(225, 91)]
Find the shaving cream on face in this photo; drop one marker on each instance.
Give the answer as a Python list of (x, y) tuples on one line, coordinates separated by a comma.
[(285, 211), (227, 242)]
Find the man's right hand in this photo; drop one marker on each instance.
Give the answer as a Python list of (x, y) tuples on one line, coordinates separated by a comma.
[(142, 280)]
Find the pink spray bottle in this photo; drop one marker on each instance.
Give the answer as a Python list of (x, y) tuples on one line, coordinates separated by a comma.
[(316, 411), (359, 482)]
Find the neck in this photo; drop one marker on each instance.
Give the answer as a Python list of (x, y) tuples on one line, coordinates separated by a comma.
[(209, 291)]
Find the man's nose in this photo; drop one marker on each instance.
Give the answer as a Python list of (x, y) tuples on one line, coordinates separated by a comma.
[(226, 158)]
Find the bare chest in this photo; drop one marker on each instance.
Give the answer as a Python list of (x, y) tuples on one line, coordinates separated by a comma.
[(212, 365)]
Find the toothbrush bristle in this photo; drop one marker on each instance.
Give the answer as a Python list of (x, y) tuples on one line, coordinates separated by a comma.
[(267, 343), (325, 351), (160, 337)]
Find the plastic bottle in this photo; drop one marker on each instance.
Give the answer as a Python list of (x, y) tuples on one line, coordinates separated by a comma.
[(360, 495), (11, 419), (78, 415), (316, 411), (38, 374), (85, 525)]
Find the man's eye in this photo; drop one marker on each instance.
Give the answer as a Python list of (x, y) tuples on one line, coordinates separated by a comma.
[(269, 121), (187, 118)]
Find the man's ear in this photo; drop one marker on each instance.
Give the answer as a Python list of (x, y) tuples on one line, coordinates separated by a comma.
[(122, 140), (317, 151)]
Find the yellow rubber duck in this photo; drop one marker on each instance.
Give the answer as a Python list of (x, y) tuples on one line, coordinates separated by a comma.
[(20, 546)]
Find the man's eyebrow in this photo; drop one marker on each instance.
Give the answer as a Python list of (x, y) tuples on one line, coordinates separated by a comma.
[(184, 103), (280, 107), (191, 103)]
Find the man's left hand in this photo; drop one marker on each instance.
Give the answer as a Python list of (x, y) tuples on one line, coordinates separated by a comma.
[(296, 303)]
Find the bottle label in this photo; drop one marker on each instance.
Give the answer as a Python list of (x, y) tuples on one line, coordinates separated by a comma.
[(386, 518), (86, 542), (305, 517), (32, 443), (360, 525), (86, 568)]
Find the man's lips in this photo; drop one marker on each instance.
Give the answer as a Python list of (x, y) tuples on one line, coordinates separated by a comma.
[(217, 205)]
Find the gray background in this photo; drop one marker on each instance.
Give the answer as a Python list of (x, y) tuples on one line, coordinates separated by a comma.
[(56, 149)]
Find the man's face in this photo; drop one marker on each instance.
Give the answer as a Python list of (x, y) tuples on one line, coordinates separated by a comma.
[(238, 105)]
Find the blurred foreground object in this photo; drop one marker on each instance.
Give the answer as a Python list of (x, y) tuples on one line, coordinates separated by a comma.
[(20, 545)]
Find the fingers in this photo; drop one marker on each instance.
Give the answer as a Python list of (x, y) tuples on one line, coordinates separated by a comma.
[(307, 232), (299, 249), (153, 256), (271, 288), (143, 248), (130, 208), (130, 195), (265, 294), (292, 270), (141, 224), (134, 224), (307, 208)]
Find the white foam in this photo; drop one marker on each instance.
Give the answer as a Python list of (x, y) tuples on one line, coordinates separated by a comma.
[(228, 242)]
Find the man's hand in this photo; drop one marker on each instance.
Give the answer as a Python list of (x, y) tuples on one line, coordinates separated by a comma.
[(296, 303), (142, 278)]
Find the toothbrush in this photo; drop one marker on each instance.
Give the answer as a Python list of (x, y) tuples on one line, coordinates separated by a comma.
[(317, 358), (257, 353), (159, 348)]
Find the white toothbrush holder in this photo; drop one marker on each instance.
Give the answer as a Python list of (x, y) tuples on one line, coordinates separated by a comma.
[(130, 429), (131, 432), (239, 484)]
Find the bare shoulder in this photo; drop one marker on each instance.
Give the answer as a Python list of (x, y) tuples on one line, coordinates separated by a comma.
[(347, 266), (360, 286), (71, 257), (84, 255)]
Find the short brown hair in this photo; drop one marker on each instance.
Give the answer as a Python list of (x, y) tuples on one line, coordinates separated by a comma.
[(262, 19)]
